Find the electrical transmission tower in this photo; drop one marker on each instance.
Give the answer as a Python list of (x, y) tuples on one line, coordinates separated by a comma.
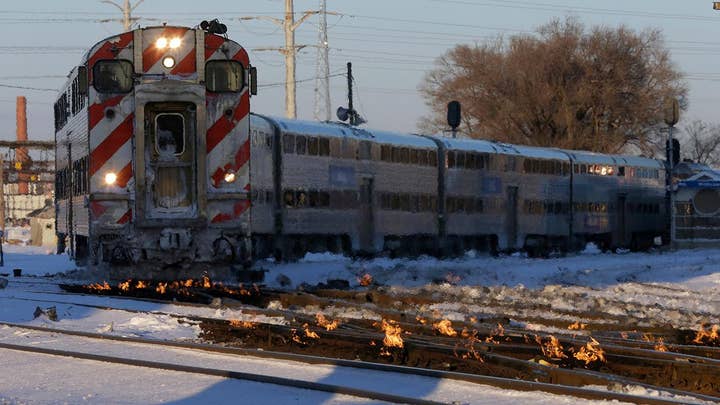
[(127, 10), (289, 25), (322, 80)]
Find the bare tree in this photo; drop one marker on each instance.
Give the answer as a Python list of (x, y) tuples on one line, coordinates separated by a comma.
[(600, 89), (701, 143)]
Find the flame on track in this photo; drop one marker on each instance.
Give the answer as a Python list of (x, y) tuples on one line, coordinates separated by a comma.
[(392, 334), (445, 328), (324, 323), (365, 280), (100, 287), (577, 326), (236, 323), (708, 336), (591, 352), (551, 348)]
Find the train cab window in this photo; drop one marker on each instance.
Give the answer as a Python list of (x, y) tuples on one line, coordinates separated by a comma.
[(313, 146), (324, 147), (289, 143), (224, 76), (113, 76), (300, 145), (170, 134)]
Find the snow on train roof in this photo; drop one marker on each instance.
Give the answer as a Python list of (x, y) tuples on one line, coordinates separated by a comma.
[(481, 145), (338, 129), (620, 160)]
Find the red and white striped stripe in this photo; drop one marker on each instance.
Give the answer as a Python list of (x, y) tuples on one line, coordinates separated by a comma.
[(110, 136), (184, 55), (228, 136)]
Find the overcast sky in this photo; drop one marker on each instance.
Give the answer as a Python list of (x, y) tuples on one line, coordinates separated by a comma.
[(391, 43)]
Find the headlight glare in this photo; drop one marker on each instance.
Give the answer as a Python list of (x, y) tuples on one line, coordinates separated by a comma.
[(175, 43), (110, 178), (229, 177), (168, 62), (161, 43)]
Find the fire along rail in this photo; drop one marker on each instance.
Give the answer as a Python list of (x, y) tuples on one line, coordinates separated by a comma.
[(503, 383)]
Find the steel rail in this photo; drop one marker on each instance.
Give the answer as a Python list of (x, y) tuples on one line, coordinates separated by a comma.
[(237, 375), (499, 382)]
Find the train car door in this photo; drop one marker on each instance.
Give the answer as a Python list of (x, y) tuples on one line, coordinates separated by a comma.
[(366, 220), (511, 220), (170, 160), (621, 226)]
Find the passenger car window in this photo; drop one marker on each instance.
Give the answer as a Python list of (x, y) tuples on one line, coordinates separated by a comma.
[(113, 76), (224, 76)]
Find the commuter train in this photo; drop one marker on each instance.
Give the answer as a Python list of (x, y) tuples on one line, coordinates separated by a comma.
[(162, 169)]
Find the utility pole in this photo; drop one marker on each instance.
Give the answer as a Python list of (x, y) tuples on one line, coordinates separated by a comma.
[(2, 199), (322, 81), (289, 25), (127, 10)]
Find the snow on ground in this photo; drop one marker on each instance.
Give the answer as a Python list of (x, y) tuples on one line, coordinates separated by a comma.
[(679, 288)]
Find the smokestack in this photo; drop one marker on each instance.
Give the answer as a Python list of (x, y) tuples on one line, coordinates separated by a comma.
[(21, 154)]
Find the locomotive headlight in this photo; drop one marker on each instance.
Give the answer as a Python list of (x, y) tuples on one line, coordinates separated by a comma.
[(229, 177), (175, 43), (161, 43), (110, 178), (168, 62)]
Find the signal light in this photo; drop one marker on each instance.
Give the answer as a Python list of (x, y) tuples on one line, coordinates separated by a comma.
[(168, 62)]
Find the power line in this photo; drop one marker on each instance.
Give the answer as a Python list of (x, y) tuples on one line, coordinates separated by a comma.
[(26, 88)]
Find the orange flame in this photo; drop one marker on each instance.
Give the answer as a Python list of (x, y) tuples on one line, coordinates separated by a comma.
[(590, 352), (161, 288), (189, 283), (552, 348), (366, 280), (392, 334), (100, 287), (499, 332), (469, 345), (309, 333), (124, 286), (140, 285), (206, 283), (577, 326), (445, 328), (421, 320), (236, 323), (707, 337), (324, 323), (660, 345)]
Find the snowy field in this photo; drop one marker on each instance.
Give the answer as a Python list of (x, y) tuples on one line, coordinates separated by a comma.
[(678, 288)]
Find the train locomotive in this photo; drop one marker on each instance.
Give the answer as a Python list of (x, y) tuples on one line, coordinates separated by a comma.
[(163, 172)]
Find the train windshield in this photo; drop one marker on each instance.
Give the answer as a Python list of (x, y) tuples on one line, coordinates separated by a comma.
[(113, 76), (224, 76), (170, 134)]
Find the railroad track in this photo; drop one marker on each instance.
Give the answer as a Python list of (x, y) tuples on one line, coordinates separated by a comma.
[(504, 383), (687, 368)]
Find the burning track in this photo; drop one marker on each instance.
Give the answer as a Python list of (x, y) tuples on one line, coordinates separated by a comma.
[(404, 334)]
